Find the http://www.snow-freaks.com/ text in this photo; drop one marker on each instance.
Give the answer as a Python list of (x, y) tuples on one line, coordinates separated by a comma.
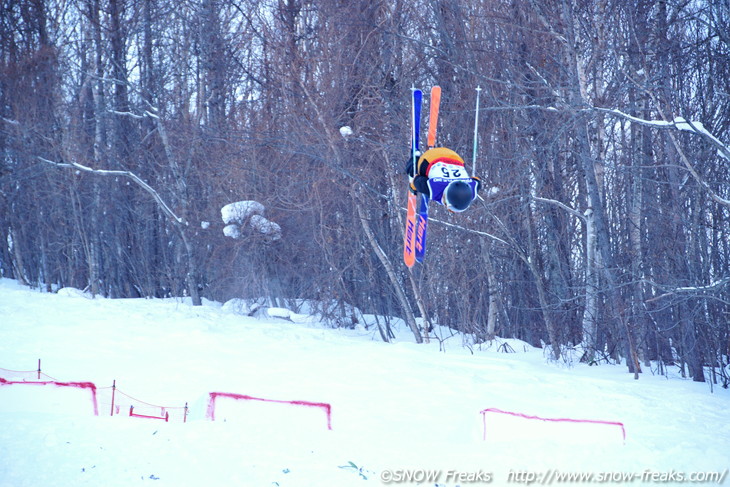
[(552, 476)]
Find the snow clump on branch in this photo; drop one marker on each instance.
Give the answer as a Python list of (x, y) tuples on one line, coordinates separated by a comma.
[(236, 215)]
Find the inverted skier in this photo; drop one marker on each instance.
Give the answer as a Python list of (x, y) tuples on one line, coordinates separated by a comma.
[(441, 175)]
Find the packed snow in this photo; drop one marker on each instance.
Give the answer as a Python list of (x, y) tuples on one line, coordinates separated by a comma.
[(402, 413)]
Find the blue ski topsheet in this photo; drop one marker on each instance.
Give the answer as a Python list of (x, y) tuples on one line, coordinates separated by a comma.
[(416, 123), (421, 226)]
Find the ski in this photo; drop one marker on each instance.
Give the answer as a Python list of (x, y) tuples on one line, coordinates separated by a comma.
[(433, 117), (421, 226), (409, 249), (416, 123), (409, 239), (422, 217)]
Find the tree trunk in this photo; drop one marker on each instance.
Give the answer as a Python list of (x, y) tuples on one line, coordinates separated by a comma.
[(100, 136), (390, 271), (494, 301), (575, 99), (590, 310)]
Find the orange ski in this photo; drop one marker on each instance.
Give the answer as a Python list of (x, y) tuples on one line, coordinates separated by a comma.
[(433, 116), (409, 247)]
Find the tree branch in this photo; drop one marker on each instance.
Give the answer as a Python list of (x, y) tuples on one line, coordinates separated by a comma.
[(105, 172), (680, 123), (715, 286), (562, 205)]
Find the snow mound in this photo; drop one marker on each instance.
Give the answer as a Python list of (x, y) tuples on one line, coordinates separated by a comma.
[(71, 292)]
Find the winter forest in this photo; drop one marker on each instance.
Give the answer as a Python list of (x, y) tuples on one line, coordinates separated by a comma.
[(126, 126)]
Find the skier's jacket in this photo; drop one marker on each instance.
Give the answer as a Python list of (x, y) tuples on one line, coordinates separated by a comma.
[(438, 167)]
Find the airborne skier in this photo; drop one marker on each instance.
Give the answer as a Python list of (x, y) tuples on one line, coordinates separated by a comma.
[(440, 174)]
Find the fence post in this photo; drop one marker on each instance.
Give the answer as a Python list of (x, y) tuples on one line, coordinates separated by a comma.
[(114, 389)]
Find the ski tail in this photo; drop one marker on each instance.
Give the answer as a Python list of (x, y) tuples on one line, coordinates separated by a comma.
[(409, 248), (433, 115), (421, 226)]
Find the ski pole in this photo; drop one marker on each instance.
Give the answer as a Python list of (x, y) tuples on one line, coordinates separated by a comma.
[(476, 126)]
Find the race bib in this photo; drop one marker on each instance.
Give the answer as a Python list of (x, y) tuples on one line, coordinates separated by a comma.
[(444, 170)]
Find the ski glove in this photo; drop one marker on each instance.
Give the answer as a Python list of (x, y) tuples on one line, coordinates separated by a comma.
[(409, 167), (409, 164)]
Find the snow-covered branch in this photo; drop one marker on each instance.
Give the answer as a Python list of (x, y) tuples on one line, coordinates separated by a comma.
[(715, 286), (127, 174), (236, 215), (678, 123), (146, 113), (710, 287), (562, 205), (10, 121), (127, 114), (681, 124)]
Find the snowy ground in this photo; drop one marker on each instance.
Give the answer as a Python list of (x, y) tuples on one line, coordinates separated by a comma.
[(400, 412)]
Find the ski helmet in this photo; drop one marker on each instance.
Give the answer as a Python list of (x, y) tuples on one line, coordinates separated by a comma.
[(457, 196)]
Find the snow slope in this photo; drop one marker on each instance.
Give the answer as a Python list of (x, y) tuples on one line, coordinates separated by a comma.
[(398, 410)]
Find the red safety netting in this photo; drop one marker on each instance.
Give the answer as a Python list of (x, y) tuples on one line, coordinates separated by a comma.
[(89, 386), (105, 400), (214, 397), (599, 422), (113, 401), (26, 375)]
